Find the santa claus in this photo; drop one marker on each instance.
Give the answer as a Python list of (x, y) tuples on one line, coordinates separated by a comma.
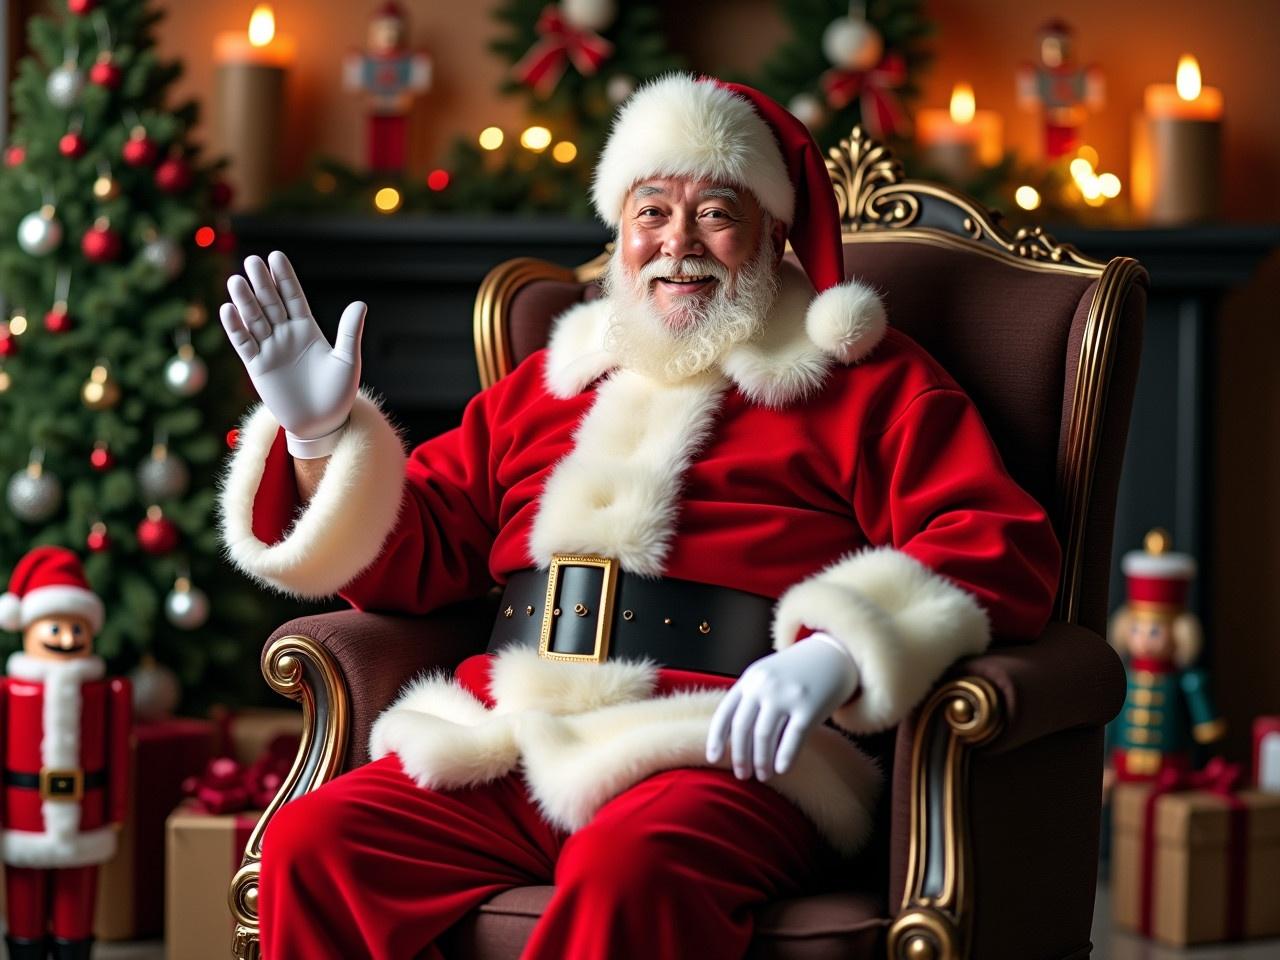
[(726, 504), (64, 737)]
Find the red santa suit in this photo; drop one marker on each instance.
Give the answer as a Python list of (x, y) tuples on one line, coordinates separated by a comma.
[(829, 463)]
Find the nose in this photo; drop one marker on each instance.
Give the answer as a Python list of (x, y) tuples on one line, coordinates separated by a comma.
[(67, 640), (681, 239)]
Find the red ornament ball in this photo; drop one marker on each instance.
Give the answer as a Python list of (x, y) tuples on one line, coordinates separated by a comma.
[(225, 241), (81, 7), (157, 534), (106, 74), (233, 437), (102, 458), (58, 320), (14, 155), (173, 176), (71, 144), (101, 244), (220, 193), (8, 346), (139, 151), (438, 179), (98, 539)]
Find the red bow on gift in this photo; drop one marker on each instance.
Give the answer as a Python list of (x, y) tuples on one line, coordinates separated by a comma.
[(882, 112), (560, 43), (227, 786)]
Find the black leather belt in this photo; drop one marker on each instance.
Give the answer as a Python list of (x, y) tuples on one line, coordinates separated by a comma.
[(69, 784), (584, 609)]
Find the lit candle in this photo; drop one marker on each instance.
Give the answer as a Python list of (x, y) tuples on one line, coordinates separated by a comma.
[(959, 140), (249, 103), (1177, 149)]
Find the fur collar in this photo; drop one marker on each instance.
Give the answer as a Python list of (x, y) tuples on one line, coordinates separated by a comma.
[(786, 362), (21, 666)]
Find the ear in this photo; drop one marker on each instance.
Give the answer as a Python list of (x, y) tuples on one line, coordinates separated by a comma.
[(779, 239)]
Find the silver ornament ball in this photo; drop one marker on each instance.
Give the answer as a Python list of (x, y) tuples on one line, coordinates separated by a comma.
[(187, 609), (594, 15), (156, 691), (34, 497), (186, 374), (39, 233), (163, 478), (852, 43), (165, 255), (808, 109), (64, 85)]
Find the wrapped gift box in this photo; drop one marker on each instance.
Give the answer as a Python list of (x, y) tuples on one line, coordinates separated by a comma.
[(246, 734), (204, 852), (1214, 863), (131, 885)]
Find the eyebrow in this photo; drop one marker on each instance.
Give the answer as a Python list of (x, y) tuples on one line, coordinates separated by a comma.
[(649, 190), (720, 193)]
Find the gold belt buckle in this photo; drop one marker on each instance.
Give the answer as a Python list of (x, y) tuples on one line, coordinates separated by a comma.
[(64, 786), (604, 610)]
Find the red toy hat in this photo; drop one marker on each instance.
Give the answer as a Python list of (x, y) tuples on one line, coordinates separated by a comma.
[(681, 126), (49, 581), (1156, 575)]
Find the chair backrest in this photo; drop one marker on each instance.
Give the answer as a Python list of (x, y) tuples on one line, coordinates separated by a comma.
[(1044, 339)]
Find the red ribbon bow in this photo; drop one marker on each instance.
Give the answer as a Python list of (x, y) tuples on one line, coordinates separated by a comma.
[(882, 112), (560, 43), (227, 786), (1218, 777)]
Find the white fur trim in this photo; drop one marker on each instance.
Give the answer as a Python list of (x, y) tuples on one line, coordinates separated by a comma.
[(576, 355), (10, 612), (903, 624), (60, 600), (1139, 563), (677, 126), (578, 752), (341, 530), (61, 844), (847, 321), (617, 493)]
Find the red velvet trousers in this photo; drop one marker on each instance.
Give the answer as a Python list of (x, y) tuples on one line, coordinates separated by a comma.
[(58, 901), (371, 865)]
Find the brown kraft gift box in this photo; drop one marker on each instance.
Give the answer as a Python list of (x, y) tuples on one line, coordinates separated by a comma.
[(1190, 870)]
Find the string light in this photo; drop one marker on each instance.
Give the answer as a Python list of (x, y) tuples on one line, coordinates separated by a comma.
[(17, 325), (536, 139), (491, 138), (564, 152), (387, 199), (205, 237), (1027, 197)]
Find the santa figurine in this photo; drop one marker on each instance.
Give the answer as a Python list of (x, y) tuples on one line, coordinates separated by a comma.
[(1167, 706), (66, 752), (1064, 91), (390, 74)]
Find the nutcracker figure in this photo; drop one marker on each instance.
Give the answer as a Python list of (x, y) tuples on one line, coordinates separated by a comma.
[(390, 74), (1065, 92), (1167, 705), (64, 732)]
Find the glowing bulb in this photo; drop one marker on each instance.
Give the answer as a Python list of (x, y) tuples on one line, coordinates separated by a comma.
[(963, 104), (1091, 189), (387, 199), (491, 138), (536, 139), (262, 25), (1081, 169), (1089, 154), (1027, 197), (1109, 184), (1188, 81), (564, 152), (17, 325)]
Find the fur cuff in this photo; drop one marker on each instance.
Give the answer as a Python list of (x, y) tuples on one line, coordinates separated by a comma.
[(903, 624), (342, 529)]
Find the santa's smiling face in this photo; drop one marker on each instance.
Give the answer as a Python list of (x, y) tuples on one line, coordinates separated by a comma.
[(58, 637), (695, 271)]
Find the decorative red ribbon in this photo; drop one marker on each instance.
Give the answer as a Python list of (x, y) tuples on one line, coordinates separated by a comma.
[(560, 43), (1218, 777), (882, 111), (226, 786)]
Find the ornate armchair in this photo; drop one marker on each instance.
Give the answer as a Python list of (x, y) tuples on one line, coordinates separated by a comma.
[(988, 837)]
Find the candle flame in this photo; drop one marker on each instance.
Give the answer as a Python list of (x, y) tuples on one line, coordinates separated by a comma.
[(963, 104), (262, 25), (1188, 81)]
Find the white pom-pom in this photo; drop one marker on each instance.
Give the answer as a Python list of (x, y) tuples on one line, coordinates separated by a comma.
[(10, 611), (847, 321)]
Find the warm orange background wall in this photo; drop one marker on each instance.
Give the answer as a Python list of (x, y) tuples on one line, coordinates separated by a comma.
[(978, 40)]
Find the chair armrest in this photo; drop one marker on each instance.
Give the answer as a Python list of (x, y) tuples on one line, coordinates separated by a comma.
[(1006, 752)]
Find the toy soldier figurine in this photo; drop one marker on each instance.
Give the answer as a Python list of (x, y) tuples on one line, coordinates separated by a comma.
[(1168, 704), (65, 744), (391, 74), (1063, 90)]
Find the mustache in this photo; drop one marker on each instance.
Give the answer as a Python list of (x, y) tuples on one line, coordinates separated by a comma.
[(670, 268)]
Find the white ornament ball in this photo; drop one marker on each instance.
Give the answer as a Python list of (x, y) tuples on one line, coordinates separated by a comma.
[(186, 374), (165, 255), (156, 691), (39, 233), (163, 478), (34, 498), (187, 609), (808, 109), (852, 43), (594, 15), (619, 87), (64, 85)]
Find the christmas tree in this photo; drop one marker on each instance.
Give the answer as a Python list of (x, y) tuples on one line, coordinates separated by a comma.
[(116, 394)]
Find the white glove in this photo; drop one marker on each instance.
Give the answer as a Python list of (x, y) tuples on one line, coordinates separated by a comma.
[(781, 696), (307, 386)]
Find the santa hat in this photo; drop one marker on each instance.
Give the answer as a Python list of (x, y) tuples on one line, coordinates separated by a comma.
[(49, 581), (681, 126), (1157, 575)]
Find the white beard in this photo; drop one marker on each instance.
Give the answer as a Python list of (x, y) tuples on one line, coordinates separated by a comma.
[(686, 340)]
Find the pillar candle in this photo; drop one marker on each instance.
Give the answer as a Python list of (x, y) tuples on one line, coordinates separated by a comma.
[(249, 104), (1177, 146), (959, 140)]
